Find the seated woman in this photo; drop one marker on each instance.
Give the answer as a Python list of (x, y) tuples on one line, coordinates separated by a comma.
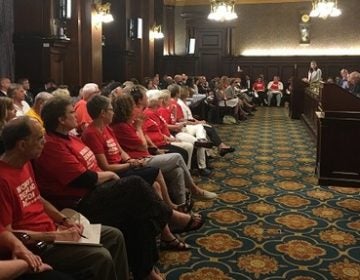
[(183, 114), (156, 129), (7, 112), (129, 133), (141, 102), (226, 97), (100, 138), (259, 89), (24, 265), (67, 167)]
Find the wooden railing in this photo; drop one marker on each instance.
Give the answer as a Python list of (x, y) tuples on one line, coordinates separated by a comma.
[(311, 106), (338, 134)]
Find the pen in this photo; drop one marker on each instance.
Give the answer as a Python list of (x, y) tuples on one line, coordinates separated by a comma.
[(83, 236)]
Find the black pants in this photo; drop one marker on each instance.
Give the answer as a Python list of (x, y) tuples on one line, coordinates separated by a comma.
[(148, 173), (213, 135), (131, 205)]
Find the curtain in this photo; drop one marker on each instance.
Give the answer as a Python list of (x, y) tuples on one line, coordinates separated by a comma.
[(6, 38)]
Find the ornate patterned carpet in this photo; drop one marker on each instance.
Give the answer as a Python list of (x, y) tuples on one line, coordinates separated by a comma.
[(271, 220)]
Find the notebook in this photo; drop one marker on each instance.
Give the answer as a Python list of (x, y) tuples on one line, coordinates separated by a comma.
[(91, 233)]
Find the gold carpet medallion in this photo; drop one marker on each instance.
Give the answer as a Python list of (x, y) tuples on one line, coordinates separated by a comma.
[(262, 191), (226, 216), (346, 190), (261, 208), (337, 237), (354, 225), (327, 213), (243, 161), (236, 182), (284, 163), (284, 155), (201, 205), (263, 167), (296, 222), (350, 204), (233, 197), (287, 173), (320, 194), (208, 273), (290, 185), (219, 243), (345, 270), (300, 250), (258, 264), (292, 201), (240, 170), (174, 258), (263, 178)]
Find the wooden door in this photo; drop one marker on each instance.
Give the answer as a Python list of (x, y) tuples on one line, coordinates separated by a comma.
[(211, 48)]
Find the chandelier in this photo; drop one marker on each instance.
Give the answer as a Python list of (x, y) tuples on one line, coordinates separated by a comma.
[(325, 8), (222, 10)]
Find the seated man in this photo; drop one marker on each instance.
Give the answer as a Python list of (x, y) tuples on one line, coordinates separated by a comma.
[(23, 209), (354, 83), (24, 261), (275, 87)]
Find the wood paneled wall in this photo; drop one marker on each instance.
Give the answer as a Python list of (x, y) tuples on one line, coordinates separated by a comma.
[(285, 67)]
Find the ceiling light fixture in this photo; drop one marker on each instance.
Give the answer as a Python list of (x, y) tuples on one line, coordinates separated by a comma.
[(222, 10), (325, 8), (103, 13)]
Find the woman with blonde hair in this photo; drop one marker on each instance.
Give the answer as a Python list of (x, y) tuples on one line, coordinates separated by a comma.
[(7, 112)]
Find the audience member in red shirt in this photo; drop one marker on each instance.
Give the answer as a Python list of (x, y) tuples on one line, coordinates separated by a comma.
[(82, 117), (130, 203), (22, 208), (211, 132), (275, 87), (109, 155), (260, 89), (130, 136), (156, 128)]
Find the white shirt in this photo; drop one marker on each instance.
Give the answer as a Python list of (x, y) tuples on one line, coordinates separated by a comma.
[(21, 111), (185, 109)]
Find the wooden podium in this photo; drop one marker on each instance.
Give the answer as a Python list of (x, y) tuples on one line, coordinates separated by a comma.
[(338, 137), (296, 107)]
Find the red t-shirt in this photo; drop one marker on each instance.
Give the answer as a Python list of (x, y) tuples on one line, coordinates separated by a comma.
[(274, 86), (176, 110), (128, 139), (82, 115), (63, 159), (155, 127), (259, 86), (21, 206), (165, 113), (102, 142)]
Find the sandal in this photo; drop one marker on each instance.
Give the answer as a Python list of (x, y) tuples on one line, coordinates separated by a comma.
[(174, 245), (185, 207), (196, 221)]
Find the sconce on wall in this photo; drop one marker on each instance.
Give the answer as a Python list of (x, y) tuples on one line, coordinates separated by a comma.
[(155, 32), (103, 13)]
